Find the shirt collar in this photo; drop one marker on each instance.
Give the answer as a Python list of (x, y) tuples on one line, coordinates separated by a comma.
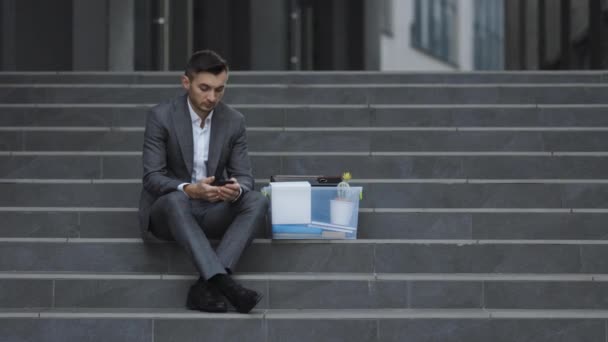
[(194, 117)]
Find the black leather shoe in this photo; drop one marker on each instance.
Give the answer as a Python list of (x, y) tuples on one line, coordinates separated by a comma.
[(243, 299), (205, 297)]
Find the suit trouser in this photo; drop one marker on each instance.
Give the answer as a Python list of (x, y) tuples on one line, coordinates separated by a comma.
[(192, 223)]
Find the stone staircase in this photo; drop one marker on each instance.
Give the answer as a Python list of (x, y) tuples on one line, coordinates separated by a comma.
[(483, 219)]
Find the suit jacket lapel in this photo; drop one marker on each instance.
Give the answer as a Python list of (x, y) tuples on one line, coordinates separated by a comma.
[(183, 130), (216, 140)]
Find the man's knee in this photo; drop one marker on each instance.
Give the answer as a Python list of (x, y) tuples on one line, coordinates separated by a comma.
[(256, 200), (173, 201)]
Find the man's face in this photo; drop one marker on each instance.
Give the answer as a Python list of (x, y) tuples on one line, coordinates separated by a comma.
[(205, 90)]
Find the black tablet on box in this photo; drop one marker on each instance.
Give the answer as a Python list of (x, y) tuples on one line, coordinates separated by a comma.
[(313, 180)]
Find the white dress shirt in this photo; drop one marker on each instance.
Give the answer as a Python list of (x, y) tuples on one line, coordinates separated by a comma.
[(200, 139)]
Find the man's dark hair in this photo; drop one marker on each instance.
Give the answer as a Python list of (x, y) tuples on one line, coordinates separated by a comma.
[(205, 61)]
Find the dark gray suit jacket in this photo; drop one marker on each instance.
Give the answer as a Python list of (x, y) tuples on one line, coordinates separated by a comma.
[(168, 152)]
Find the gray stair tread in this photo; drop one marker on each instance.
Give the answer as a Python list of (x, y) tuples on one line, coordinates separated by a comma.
[(353, 182), (483, 216), (376, 195), (314, 325), (277, 242), (361, 209), (313, 291), (108, 166), (319, 94), (133, 153), (321, 115), (325, 276), (350, 256), (122, 223), (146, 313), (308, 77), (365, 142)]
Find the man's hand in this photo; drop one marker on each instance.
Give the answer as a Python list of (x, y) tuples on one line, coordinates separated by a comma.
[(230, 192), (203, 190)]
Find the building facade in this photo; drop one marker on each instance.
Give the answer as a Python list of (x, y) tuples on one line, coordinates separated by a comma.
[(556, 34), (123, 35), (442, 35)]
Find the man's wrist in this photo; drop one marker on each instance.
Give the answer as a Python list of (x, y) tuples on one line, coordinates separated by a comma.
[(239, 195), (182, 188)]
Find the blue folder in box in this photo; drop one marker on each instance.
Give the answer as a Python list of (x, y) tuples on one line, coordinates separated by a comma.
[(295, 229)]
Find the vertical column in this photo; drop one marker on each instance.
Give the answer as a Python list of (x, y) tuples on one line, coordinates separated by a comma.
[(595, 33), (565, 45), (542, 37), (145, 58), (295, 35), (121, 35), (340, 34), (43, 28), (180, 31), (224, 26), (323, 37), (523, 20), (372, 35), (165, 45), (432, 25), (269, 19), (465, 47), (90, 35), (511, 27), (501, 27), (8, 35)]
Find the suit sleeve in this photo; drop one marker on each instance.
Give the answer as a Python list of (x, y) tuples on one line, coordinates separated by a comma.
[(239, 164), (155, 179)]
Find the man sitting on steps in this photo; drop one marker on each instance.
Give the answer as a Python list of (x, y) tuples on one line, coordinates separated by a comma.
[(190, 143)]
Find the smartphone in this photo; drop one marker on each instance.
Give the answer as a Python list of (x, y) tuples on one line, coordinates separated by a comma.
[(222, 182)]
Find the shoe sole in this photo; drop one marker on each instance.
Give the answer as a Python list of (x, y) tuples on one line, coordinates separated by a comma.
[(215, 310), (248, 309), (191, 306)]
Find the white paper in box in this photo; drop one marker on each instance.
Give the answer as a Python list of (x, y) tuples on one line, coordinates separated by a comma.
[(290, 202)]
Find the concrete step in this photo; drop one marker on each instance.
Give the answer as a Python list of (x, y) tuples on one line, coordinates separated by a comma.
[(29, 222), (295, 77), (122, 223), (312, 291), (370, 325), (317, 94), (443, 194), (351, 256), (288, 115), (325, 140), (110, 165), (479, 222)]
